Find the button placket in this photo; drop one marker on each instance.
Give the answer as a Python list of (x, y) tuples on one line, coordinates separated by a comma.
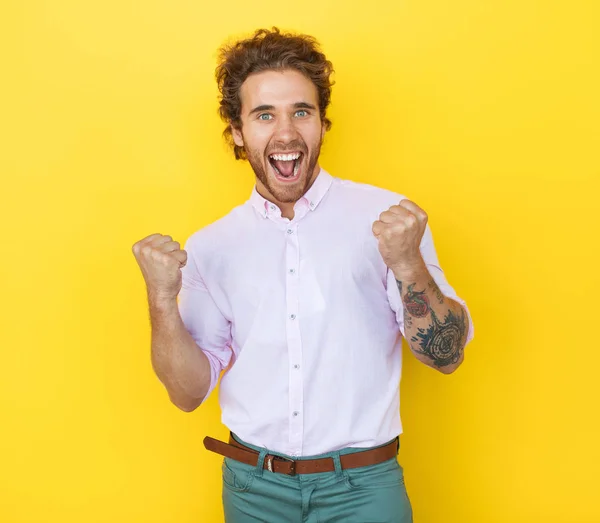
[(294, 342)]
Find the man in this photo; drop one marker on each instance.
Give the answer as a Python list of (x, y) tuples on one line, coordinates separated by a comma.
[(302, 295)]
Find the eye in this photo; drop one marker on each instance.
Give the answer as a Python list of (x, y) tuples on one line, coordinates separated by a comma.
[(264, 116), (301, 112)]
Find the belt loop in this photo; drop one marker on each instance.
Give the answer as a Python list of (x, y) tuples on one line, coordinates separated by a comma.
[(260, 462), (337, 463)]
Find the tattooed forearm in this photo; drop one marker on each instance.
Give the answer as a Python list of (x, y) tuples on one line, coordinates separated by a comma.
[(406, 314), (438, 293), (440, 341), (407, 319), (416, 302)]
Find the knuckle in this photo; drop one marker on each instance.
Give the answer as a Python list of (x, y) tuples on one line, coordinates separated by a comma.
[(164, 257), (411, 220)]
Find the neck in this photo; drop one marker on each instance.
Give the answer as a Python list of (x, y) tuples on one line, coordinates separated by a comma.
[(287, 208)]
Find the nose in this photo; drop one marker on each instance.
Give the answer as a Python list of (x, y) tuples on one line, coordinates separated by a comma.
[(285, 130)]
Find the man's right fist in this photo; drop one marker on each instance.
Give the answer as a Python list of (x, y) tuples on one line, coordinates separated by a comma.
[(160, 259)]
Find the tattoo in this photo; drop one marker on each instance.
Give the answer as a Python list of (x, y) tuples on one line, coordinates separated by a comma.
[(438, 293), (416, 302), (442, 342), (407, 319)]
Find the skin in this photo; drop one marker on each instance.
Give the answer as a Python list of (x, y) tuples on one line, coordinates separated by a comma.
[(435, 326), (280, 114), (180, 366)]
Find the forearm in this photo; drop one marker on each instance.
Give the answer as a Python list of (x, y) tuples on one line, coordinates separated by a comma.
[(177, 360), (436, 326)]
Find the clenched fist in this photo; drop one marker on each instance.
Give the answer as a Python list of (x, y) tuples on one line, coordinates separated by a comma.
[(399, 231), (160, 259)]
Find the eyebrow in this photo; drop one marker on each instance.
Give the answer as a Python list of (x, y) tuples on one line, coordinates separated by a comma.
[(297, 105)]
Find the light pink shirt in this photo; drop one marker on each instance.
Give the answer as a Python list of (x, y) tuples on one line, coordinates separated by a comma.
[(306, 315)]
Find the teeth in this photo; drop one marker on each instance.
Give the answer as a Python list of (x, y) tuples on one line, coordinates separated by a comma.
[(285, 157)]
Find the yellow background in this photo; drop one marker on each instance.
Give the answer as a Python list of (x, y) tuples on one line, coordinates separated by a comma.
[(485, 113)]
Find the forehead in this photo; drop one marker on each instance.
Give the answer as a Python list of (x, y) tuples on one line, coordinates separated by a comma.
[(277, 88)]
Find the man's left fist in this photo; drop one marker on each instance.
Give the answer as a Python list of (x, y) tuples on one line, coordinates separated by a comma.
[(399, 231)]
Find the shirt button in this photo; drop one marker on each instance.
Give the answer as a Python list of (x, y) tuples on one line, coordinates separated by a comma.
[(272, 207), (312, 205), (296, 366), (295, 413), (292, 271), (290, 231), (292, 316)]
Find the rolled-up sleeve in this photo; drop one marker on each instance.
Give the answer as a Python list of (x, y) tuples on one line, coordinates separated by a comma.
[(433, 266), (203, 319)]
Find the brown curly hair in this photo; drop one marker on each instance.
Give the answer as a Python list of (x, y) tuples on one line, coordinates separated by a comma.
[(268, 50)]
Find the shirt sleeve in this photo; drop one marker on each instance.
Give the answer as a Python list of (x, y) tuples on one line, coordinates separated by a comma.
[(203, 319), (433, 266)]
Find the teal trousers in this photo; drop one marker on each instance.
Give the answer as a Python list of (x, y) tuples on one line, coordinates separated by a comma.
[(371, 494)]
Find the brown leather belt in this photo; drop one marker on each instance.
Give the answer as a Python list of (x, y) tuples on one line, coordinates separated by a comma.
[(235, 450)]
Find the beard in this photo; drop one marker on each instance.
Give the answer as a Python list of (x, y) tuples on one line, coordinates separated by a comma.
[(286, 192)]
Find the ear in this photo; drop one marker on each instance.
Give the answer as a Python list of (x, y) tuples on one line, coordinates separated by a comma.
[(238, 138)]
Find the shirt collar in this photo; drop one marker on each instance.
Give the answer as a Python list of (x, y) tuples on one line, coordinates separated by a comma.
[(312, 197)]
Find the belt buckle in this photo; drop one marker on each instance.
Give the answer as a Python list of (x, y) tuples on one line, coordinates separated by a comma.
[(270, 459)]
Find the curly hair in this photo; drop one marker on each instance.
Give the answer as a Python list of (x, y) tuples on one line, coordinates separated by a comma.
[(268, 50)]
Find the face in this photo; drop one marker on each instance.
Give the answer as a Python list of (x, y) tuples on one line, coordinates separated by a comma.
[(281, 132)]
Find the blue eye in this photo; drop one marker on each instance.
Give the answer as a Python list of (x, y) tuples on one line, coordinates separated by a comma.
[(268, 116), (302, 111)]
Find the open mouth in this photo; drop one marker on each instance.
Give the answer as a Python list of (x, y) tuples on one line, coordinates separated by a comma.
[(286, 166)]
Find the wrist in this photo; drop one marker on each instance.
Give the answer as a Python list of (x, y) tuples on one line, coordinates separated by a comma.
[(410, 271), (161, 301)]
